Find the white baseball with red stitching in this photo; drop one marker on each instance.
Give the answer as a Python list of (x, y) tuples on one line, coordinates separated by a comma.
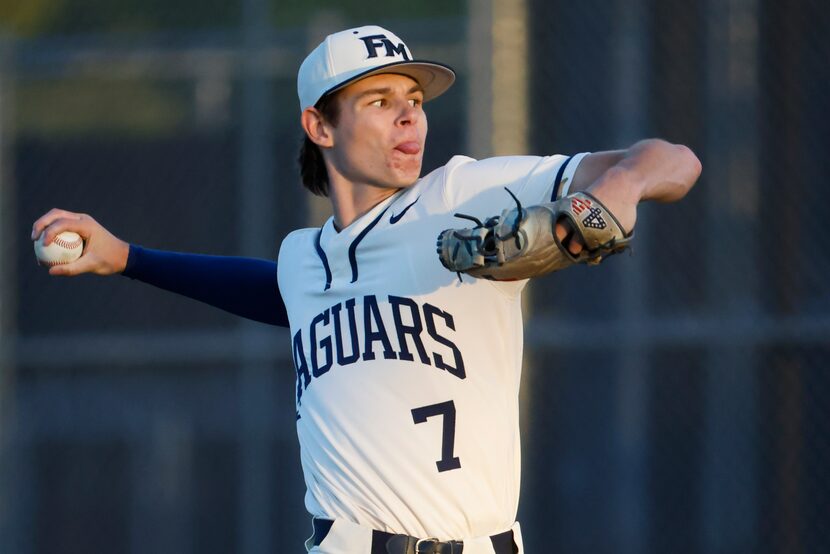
[(67, 247)]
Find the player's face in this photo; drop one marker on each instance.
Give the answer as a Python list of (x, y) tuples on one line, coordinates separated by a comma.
[(379, 138)]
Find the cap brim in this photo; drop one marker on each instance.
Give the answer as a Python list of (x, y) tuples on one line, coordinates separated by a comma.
[(435, 78)]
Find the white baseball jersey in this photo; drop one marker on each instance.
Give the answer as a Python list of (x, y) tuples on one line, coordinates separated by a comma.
[(407, 389)]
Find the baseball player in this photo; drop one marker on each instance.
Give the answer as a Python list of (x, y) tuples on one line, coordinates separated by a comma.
[(407, 360)]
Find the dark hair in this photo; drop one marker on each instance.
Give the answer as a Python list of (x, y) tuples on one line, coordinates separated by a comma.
[(312, 166)]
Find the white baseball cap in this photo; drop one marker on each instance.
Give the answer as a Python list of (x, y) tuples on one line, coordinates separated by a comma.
[(345, 57)]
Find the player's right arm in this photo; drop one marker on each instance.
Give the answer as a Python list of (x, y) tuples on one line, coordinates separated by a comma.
[(104, 253), (650, 169), (246, 287)]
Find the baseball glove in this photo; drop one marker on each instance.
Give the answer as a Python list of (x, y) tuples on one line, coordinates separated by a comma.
[(522, 243)]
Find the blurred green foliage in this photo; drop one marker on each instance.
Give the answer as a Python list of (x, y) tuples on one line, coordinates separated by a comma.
[(358, 12), (83, 106), (48, 17), (61, 105)]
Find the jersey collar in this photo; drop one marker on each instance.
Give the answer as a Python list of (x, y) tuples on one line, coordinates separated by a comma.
[(338, 252)]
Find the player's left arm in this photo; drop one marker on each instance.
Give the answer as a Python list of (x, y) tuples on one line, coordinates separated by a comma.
[(651, 169), (518, 245)]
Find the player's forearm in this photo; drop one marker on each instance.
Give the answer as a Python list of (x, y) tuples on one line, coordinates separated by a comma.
[(243, 286), (655, 170), (651, 169)]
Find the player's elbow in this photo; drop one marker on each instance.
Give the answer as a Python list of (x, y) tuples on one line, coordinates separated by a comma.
[(691, 165), (683, 166)]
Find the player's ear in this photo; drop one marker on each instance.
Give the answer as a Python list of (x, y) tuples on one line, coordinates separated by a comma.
[(316, 128)]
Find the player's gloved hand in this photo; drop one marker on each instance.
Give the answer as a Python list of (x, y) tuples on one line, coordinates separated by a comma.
[(104, 253), (528, 242)]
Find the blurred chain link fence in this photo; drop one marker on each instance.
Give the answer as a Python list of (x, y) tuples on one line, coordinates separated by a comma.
[(674, 400), (703, 425)]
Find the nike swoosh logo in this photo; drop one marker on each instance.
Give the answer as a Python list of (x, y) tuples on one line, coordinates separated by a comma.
[(395, 218)]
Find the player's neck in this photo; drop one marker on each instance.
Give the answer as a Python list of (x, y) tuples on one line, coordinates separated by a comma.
[(351, 200)]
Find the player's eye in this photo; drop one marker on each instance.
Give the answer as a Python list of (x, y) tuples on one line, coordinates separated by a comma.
[(415, 102), (379, 103)]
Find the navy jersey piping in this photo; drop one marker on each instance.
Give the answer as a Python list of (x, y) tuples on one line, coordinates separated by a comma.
[(356, 241), (323, 259), (558, 180)]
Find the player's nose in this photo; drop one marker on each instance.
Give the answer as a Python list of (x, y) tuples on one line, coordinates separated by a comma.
[(409, 114)]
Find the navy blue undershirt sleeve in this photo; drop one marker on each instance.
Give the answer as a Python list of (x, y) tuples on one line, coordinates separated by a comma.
[(243, 286)]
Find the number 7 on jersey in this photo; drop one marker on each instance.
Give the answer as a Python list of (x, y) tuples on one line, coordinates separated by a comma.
[(446, 409)]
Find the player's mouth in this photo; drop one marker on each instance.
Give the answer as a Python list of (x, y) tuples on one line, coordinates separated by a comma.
[(409, 147)]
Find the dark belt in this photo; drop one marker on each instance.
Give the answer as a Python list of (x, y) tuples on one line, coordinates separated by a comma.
[(388, 543)]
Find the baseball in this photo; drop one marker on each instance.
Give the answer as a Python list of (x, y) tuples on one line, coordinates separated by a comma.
[(67, 247)]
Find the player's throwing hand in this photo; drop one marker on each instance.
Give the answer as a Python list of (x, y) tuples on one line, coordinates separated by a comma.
[(104, 253)]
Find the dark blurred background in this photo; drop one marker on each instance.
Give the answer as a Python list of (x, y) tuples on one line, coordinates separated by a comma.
[(676, 400)]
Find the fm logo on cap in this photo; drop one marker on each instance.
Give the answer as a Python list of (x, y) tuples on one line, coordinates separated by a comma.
[(373, 42)]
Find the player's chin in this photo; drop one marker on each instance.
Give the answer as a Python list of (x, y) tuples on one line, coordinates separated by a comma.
[(408, 181), (406, 174)]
